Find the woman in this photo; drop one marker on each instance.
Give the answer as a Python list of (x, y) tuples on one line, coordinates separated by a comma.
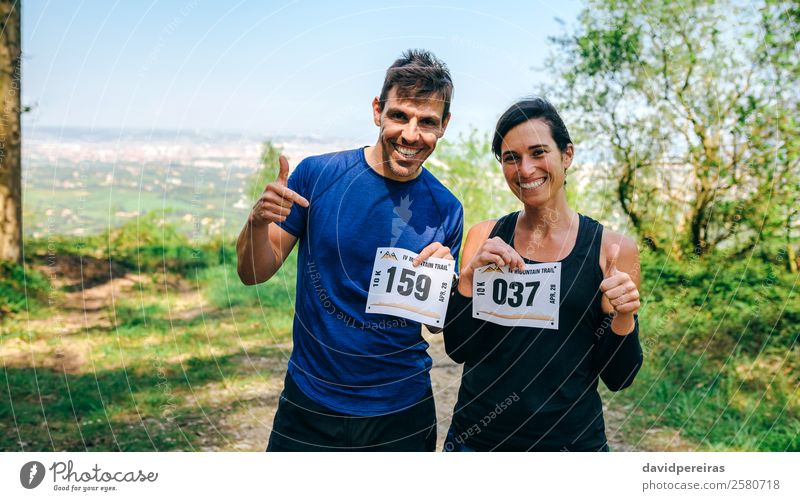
[(535, 388)]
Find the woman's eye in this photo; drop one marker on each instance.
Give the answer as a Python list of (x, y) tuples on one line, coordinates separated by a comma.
[(538, 152)]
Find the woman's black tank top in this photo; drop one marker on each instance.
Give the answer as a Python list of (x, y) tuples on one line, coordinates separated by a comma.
[(533, 388)]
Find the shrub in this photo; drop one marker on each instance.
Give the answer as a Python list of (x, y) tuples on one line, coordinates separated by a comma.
[(21, 288)]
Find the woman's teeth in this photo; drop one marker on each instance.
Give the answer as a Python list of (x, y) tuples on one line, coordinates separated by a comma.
[(407, 152), (533, 184)]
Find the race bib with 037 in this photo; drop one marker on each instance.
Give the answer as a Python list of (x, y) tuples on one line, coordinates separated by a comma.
[(398, 288), (528, 298)]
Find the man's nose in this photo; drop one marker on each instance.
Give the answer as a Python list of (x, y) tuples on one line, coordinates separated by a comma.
[(411, 131)]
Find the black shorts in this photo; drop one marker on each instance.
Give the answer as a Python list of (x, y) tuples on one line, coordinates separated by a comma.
[(302, 425)]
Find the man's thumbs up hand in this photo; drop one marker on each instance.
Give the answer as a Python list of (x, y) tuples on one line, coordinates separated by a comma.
[(275, 203), (283, 170)]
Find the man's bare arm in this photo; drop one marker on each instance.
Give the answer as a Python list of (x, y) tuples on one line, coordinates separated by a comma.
[(261, 250), (262, 245)]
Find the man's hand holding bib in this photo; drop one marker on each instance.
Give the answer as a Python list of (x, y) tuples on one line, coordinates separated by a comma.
[(412, 286)]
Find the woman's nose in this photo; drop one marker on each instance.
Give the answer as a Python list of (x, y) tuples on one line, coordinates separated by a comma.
[(526, 167)]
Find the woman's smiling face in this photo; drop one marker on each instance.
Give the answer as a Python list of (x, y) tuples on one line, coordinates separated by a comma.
[(533, 165)]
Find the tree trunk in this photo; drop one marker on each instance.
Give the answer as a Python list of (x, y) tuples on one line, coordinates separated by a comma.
[(10, 132)]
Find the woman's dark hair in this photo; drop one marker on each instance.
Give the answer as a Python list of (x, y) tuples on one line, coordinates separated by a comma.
[(418, 73), (530, 109)]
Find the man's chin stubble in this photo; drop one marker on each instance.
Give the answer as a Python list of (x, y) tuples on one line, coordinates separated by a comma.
[(394, 169), (405, 173)]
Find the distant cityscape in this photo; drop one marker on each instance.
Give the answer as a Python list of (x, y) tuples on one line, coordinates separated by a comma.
[(80, 181)]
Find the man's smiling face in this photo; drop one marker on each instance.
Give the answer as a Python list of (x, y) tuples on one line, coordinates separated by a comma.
[(410, 128)]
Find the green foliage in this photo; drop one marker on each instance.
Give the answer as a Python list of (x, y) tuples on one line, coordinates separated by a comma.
[(689, 108), (468, 168), (20, 288), (735, 306), (270, 164), (145, 244), (721, 342), (604, 50), (228, 291), (148, 243)]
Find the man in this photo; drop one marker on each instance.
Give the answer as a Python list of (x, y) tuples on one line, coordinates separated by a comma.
[(359, 381)]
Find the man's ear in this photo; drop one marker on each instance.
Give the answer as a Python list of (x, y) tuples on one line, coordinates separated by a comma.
[(376, 111), (444, 123)]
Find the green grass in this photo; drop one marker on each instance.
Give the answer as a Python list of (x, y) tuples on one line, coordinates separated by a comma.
[(147, 405), (21, 289), (158, 371), (721, 359), (739, 406), (228, 291)]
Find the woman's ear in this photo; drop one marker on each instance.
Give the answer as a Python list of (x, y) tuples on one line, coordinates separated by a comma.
[(567, 155)]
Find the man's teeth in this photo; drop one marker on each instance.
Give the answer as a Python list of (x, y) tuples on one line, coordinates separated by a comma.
[(533, 184), (407, 152)]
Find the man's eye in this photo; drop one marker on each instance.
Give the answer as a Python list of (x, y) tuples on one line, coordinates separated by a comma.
[(396, 116)]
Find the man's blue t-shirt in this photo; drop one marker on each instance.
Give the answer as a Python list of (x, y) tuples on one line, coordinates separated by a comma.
[(344, 358)]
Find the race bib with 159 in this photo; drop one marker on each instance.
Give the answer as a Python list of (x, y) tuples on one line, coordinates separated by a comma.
[(528, 298), (398, 288)]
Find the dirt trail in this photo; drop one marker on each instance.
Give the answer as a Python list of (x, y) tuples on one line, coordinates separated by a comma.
[(248, 429)]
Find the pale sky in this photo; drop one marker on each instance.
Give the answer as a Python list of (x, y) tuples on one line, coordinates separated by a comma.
[(272, 67)]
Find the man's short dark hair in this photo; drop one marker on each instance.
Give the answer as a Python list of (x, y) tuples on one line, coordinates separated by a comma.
[(418, 73)]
